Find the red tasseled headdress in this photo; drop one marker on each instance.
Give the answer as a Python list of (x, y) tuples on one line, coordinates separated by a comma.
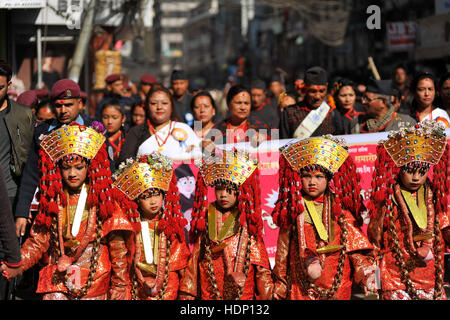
[(347, 190), (51, 186), (249, 206), (171, 221), (385, 176)]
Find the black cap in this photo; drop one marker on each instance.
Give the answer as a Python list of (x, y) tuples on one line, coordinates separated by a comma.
[(316, 76), (183, 171), (379, 86), (258, 84), (178, 75), (276, 78), (300, 75)]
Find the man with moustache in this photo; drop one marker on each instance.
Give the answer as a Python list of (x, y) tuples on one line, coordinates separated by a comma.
[(380, 115), (313, 116)]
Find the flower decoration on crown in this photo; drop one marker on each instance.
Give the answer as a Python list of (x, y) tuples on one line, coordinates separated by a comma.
[(424, 142), (134, 177)]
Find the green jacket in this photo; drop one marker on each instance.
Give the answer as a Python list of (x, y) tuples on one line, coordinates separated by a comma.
[(20, 121)]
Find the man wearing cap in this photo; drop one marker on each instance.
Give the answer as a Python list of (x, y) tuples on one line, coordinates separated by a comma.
[(260, 105), (313, 116), (65, 96), (28, 98), (147, 80), (16, 132), (380, 115), (180, 85), (114, 87)]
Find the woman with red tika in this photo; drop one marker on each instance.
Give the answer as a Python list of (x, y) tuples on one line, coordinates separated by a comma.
[(229, 260), (320, 251), (146, 189), (78, 220), (409, 221), (240, 126)]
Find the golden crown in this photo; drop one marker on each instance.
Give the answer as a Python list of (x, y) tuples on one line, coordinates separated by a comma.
[(75, 139), (424, 142), (327, 151), (233, 166), (134, 177)]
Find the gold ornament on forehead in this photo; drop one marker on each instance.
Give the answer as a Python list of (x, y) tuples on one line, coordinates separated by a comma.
[(234, 166), (150, 171), (327, 151), (424, 142), (80, 140)]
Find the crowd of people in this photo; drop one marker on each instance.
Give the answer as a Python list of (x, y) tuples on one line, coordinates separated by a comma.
[(91, 207)]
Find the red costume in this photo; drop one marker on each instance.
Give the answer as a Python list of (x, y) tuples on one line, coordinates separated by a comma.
[(91, 261), (229, 260), (160, 249), (323, 230), (409, 227)]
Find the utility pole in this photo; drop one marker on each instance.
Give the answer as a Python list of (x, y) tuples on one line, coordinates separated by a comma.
[(82, 44), (39, 57)]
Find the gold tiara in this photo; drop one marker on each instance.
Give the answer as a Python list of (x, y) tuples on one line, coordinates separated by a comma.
[(75, 139), (233, 166), (134, 177), (424, 142), (327, 151)]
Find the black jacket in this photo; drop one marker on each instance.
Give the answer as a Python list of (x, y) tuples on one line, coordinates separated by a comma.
[(20, 122), (9, 244), (133, 139)]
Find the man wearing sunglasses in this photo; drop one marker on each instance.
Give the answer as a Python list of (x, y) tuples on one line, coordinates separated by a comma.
[(380, 114)]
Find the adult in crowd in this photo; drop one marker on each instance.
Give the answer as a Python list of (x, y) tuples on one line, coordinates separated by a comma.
[(203, 108), (44, 111), (180, 84), (299, 84), (114, 87), (160, 132), (285, 99), (276, 87), (28, 98), (380, 115), (313, 116), (345, 99), (10, 253), (261, 107), (66, 101), (443, 100), (146, 82), (240, 126), (113, 118), (423, 87), (137, 114), (16, 133), (400, 83)]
